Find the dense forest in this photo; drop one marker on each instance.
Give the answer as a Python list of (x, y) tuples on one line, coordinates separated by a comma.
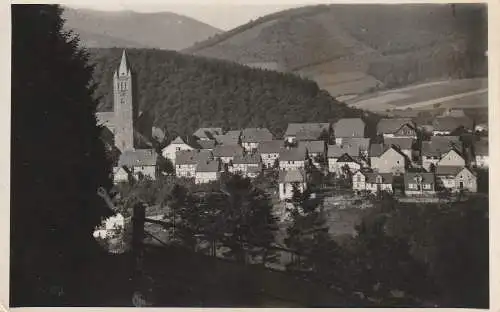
[(183, 93)]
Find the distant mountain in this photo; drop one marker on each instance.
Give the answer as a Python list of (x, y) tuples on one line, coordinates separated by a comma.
[(182, 93), (353, 49), (162, 30)]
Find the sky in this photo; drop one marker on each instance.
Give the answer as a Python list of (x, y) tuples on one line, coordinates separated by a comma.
[(223, 16)]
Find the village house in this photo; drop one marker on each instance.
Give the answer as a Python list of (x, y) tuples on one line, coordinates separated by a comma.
[(347, 128), (397, 127), (292, 158), (120, 174), (230, 138), (289, 180), (306, 132), (227, 153), (252, 137), (207, 171), (362, 144), (340, 157), (433, 150), (140, 162), (391, 160), (186, 162), (373, 182), (419, 183), (270, 152), (206, 144), (316, 151), (451, 158), (248, 165), (169, 151), (448, 125), (481, 154), (405, 145), (456, 178), (207, 133)]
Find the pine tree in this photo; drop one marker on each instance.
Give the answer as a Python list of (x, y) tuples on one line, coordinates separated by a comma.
[(58, 159)]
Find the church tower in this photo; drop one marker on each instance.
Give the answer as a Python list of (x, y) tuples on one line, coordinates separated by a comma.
[(123, 106)]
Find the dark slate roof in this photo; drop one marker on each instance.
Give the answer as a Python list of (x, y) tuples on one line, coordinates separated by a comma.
[(448, 170), (207, 133), (140, 157), (349, 128), (335, 151), (228, 150), (376, 150), (269, 147), (256, 135), (306, 130), (208, 166), (427, 177), (227, 139), (247, 159), (371, 177), (361, 143), (401, 143), (293, 154), (451, 123), (205, 144), (346, 158), (314, 146), (290, 176), (178, 140), (437, 148), (481, 148), (191, 157), (391, 125)]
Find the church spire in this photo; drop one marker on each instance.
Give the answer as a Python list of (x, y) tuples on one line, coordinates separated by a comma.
[(124, 69)]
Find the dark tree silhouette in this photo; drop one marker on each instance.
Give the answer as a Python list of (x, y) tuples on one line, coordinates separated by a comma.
[(58, 160)]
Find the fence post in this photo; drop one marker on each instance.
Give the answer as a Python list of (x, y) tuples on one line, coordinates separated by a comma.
[(138, 219)]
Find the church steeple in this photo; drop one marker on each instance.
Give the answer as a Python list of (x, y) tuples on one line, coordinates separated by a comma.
[(124, 69), (123, 106)]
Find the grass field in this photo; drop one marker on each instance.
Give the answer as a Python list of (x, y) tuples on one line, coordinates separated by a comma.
[(462, 93)]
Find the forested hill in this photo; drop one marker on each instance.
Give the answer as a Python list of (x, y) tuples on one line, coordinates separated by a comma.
[(183, 92), (352, 49)]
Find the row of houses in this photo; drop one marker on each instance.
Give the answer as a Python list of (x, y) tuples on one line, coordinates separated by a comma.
[(397, 152)]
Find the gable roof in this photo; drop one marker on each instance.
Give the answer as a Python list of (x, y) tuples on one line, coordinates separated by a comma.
[(191, 157), (207, 133), (253, 135), (208, 166), (361, 143), (371, 177), (291, 176), (310, 131), (228, 150), (427, 177), (391, 125), (138, 158), (377, 149), (346, 158), (448, 170), (206, 144), (335, 151), (349, 128), (293, 154), (401, 143), (451, 123), (314, 146), (247, 159), (178, 140), (274, 146), (227, 139), (437, 148)]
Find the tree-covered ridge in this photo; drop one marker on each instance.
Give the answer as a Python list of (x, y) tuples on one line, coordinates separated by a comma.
[(183, 93)]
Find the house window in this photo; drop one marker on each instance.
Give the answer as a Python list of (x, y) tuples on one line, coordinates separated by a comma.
[(177, 149), (359, 178), (427, 186), (379, 179)]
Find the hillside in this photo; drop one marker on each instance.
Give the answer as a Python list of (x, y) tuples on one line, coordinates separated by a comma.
[(183, 93), (352, 49), (163, 30)]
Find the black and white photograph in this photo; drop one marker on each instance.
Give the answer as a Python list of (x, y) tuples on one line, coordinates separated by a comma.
[(238, 155)]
